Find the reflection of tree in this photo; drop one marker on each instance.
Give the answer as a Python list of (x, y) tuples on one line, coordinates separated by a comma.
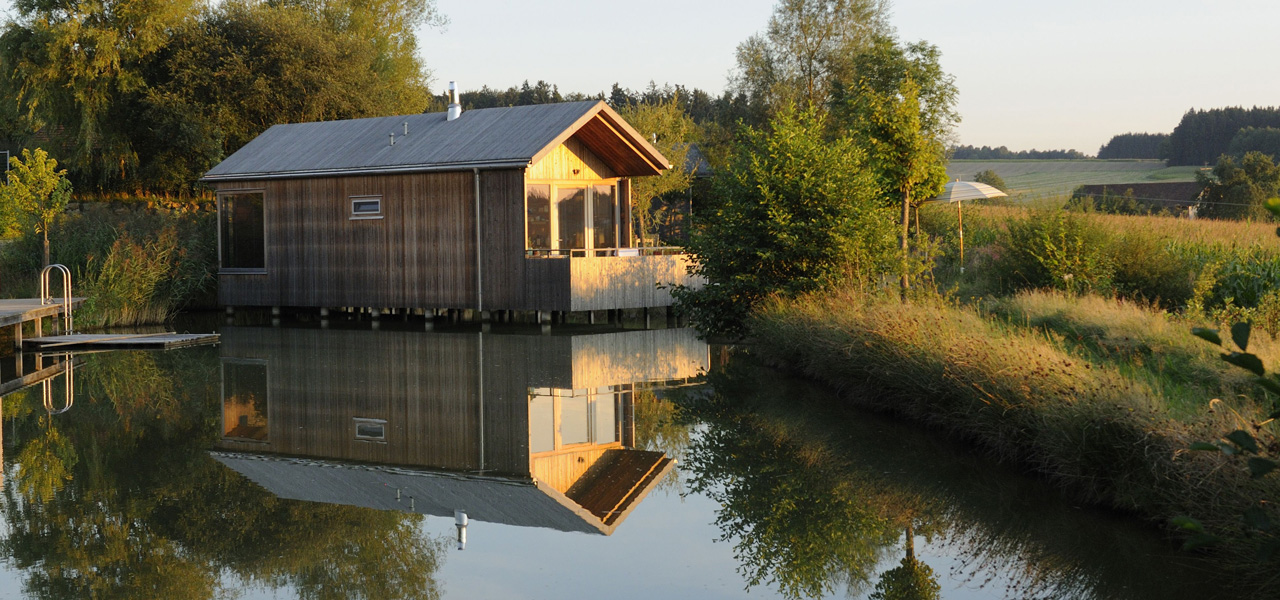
[(145, 512), (794, 522), (910, 580), (46, 462), (659, 428)]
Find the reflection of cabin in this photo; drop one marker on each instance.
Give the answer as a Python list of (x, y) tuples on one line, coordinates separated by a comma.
[(517, 208), (525, 430)]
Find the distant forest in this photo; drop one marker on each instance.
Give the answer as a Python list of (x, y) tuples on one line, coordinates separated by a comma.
[(1004, 153), (1136, 145), (1205, 135), (701, 106)]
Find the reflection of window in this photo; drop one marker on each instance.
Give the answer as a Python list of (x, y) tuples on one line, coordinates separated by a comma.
[(244, 400), (370, 429), (241, 237), (559, 418), (366, 207)]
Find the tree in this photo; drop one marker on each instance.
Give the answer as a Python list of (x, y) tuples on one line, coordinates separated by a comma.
[(74, 64), (797, 213), (37, 192), (908, 163), (1255, 139), (671, 131), (992, 179), (1238, 191), (808, 45), (901, 109)]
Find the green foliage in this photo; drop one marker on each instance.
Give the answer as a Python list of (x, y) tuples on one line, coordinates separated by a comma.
[(808, 46), (1265, 140), (796, 213), (910, 580), (1055, 249), (1135, 145), (1204, 135), (1238, 191), (671, 130), (135, 264), (1110, 203), (37, 193), (146, 94), (992, 179)]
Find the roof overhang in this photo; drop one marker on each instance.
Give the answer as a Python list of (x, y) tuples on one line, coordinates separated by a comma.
[(615, 141)]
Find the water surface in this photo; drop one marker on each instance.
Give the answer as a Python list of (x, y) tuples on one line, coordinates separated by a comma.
[(305, 462)]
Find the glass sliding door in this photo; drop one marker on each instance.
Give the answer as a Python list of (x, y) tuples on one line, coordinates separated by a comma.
[(571, 216), (538, 217), (604, 223)]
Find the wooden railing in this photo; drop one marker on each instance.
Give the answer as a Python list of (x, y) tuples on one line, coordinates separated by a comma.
[(646, 251)]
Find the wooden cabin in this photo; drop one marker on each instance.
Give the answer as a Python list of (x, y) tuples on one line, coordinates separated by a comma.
[(526, 430), (524, 208)]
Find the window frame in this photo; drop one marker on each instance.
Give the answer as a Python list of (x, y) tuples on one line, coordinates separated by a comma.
[(365, 216), (589, 186), (266, 248), (356, 422)]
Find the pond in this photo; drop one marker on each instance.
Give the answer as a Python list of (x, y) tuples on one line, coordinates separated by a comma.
[(336, 462)]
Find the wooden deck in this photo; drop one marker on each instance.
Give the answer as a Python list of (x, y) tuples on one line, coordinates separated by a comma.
[(14, 311), (104, 341)]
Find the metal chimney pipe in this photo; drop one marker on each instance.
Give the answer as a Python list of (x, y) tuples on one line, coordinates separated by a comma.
[(455, 109)]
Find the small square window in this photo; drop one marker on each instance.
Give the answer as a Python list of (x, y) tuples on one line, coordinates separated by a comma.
[(366, 207), (371, 429)]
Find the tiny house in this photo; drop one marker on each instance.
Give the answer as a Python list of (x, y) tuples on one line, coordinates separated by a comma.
[(522, 208)]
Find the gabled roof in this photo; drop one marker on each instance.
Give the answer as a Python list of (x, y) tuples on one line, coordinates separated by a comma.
[(508, 501), (509, 137)]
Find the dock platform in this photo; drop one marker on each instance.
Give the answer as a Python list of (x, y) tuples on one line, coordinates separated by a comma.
[(107, 341)]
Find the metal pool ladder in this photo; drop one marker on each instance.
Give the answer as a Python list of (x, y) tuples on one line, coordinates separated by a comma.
[(46, 388), (45, 298)]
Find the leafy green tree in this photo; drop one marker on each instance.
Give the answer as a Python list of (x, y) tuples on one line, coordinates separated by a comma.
[(992, 179), (1256, 139), (671, 131), (909, 164), (808, 45), (796, 213), (75, 64), (37, 193), (1239, 191), (910, 580)]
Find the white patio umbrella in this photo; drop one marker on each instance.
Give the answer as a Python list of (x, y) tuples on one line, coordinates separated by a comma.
[(958, 191)]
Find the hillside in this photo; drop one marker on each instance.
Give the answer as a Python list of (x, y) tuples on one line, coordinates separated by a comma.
[(1036, 178)]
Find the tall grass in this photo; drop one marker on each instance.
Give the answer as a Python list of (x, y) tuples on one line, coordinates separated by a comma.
[(1103, 432), (134, 263)]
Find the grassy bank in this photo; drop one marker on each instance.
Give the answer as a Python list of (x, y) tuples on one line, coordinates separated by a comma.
[(1102, 397), (136, 262)]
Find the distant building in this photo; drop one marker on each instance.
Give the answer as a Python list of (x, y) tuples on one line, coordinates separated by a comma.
[(518, 208)]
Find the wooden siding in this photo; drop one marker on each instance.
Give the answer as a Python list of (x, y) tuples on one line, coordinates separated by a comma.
[(607, 282), (421, 253), (561, 163)]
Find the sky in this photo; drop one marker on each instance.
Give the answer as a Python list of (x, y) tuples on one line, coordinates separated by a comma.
[(1030, 74)]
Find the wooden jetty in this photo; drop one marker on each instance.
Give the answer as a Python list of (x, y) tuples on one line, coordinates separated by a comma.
[(107, 341), (14, 312)]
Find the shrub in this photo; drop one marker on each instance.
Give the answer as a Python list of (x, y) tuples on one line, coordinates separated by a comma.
[(1055, 249)]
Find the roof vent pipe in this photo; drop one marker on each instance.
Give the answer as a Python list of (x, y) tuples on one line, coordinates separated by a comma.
[(455, 109)]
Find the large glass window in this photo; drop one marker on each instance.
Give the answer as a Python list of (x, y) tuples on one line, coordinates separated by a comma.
[(538, 206), (571, 213), (242, 243), (603, 223)]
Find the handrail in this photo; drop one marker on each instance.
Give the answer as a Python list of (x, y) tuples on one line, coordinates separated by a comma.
[(45, 298), (46, 388)]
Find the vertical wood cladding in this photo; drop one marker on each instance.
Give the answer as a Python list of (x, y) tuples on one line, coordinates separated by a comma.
[(421, 253)]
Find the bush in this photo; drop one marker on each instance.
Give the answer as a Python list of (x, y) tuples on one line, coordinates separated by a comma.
[(795, 213), (1055, 249), (136, 264)]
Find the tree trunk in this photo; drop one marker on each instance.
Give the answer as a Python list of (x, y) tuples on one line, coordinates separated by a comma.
[(906, 225), (46, 247)]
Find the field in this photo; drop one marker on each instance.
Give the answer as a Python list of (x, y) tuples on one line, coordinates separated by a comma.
[(1040, 178)]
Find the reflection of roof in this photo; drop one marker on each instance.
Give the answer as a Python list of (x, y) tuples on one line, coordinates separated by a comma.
[(510, 137), (519, 502)]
